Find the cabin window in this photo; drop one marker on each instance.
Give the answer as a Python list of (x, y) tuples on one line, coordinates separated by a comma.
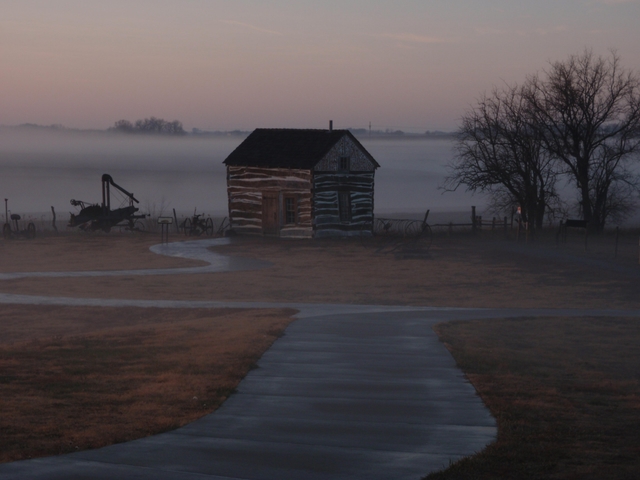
[(344, 205), (290, 210), (345, 164)]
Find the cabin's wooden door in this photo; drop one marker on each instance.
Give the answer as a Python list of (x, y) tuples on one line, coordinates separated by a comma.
[(270, 213)]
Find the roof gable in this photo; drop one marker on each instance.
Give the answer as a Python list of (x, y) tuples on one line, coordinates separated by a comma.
[(288, 148)]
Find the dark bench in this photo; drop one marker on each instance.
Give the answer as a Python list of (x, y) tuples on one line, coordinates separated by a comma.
[(576, 223), (568, 223)]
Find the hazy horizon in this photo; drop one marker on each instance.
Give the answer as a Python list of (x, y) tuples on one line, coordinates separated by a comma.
[(41, 168), (214, 65), (49, 168)]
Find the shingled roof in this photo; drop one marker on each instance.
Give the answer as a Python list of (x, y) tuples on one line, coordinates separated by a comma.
[(288, 148)]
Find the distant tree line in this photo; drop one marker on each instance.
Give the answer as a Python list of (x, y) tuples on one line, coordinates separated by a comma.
[(151, 125), (226, 133), (577, 123), (363, 132)]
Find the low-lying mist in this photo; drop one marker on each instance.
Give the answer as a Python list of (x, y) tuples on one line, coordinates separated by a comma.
[(41, 168)]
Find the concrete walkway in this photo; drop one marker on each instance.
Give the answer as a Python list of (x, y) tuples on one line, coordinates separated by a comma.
[(357, 392), (372, 396), (194, 250)]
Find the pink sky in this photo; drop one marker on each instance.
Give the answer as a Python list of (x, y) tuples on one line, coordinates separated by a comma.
[(413, 65)]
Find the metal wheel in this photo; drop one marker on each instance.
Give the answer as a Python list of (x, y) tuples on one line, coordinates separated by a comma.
[(426, 237), (419, 232), (31, 231), (382, 227), (186, 225), (413, 229), (386, 238), (421, 242), (6, 231), (208, 227), (224, 225)]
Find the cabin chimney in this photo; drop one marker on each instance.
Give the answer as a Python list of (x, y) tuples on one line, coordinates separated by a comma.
[(331, 125)]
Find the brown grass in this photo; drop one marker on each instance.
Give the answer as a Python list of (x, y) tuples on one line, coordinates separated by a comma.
[(558, 387), (75, 378), (565, 393), (460, 271)]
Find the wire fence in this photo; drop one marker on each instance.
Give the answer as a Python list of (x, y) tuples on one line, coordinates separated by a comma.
[(47, 225), (617, 244)]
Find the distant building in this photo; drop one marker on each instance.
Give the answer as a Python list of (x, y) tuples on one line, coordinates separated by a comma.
[(300, 183)]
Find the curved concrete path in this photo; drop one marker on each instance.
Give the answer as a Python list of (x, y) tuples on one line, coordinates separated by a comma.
[(357, 392), (194, 250)]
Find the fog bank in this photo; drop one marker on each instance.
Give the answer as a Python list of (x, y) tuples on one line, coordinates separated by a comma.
[(40, 169)]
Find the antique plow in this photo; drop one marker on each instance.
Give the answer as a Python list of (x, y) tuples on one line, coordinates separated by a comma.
[(9, 231), (101, 217), (406, 237)]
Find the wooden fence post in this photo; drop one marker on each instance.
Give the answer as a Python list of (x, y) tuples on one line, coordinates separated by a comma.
[(617, 236), (53, 220), (506, 231), (175, 217), (473, 219)]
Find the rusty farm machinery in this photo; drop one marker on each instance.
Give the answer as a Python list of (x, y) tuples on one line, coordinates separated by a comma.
[(196, 226), (9, 231), (403, 237), (94, 217)]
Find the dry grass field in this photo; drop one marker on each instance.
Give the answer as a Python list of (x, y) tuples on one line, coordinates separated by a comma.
[(86, 372), (460, 271), (565, 393), (79, 377)]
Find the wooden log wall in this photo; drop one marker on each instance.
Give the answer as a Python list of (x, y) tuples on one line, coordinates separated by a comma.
[(245, 188), (326, 188)]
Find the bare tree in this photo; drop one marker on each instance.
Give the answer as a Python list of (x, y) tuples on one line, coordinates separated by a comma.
[(175, 128), (123, 126), (587, 109), (500, 153), (151, 125)]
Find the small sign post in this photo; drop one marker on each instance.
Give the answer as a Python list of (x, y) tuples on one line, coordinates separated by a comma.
[(164, 223)]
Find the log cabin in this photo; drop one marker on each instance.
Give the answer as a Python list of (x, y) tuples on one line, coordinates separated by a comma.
[(300, 183)]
